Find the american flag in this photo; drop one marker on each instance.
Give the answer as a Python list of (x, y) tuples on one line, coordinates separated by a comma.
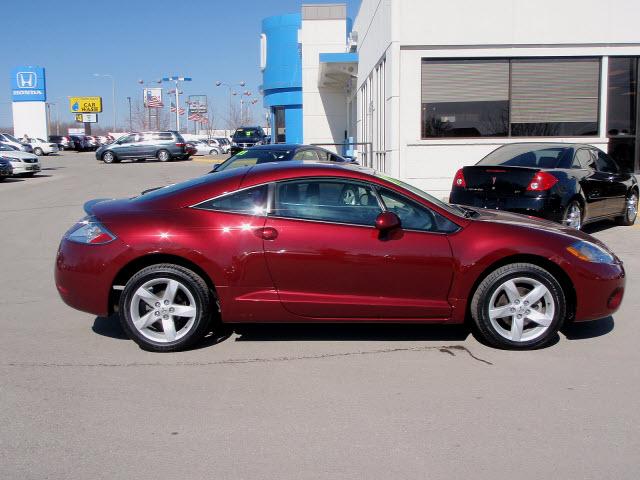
[(153, 101), (195, 117), (173, 109)]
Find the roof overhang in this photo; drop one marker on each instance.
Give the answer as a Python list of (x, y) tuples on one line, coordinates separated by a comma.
[(337, 69)]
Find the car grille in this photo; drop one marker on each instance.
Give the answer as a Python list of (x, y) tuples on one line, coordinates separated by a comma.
[(29, 160)]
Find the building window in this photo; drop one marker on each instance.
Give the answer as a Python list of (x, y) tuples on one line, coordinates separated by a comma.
[(510, 97), (465, 98), (622, 112), (280, 129)]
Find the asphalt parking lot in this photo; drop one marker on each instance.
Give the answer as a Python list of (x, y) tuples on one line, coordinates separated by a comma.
[(79, 400)]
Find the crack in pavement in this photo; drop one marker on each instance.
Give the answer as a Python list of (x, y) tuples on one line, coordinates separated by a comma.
[(448, 349)]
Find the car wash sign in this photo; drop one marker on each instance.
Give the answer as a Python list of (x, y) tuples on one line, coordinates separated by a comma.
[(28, 84)]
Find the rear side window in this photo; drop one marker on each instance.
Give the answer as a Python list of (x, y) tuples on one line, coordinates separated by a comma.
[(163, 136), (584, 158), (252, 201), (327, 200)]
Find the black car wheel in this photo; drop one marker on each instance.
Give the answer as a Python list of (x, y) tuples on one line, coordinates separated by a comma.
[(519, 306), (573, 215), (109, 157), (163, 155), (214, 152), (165, 308), (630, 209)]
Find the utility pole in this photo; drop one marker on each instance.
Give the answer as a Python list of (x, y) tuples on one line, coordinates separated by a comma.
[(130, 118)]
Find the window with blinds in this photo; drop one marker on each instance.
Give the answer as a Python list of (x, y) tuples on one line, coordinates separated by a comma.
[(510, 97), (465, 98)]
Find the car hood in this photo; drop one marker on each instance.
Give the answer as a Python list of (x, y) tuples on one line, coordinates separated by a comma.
[(534, 223), (19, 154)]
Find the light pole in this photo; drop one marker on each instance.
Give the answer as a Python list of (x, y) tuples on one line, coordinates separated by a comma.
[(231, 92), (113, 91), (177, 81), (130, 119)]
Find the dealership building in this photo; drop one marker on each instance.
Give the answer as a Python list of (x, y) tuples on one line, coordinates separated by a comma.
[(419, 88)]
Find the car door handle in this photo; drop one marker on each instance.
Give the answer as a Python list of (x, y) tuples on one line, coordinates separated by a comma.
[(267, 233)]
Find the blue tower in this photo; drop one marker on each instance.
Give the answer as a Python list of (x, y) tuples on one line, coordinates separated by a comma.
[(282, 76)]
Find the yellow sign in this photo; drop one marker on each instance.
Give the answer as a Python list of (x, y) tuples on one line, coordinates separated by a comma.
[(78, 117), (85, 104)]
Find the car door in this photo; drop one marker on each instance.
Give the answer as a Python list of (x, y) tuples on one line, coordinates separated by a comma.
[(615, 189), (328, 261), (593, 183)]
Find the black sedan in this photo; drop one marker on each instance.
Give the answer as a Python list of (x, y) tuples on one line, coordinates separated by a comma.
[(569, 183), (278, 152)]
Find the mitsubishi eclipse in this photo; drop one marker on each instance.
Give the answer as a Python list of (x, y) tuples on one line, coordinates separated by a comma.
[(288, 242)]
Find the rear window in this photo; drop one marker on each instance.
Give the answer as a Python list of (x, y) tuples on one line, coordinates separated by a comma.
[(530, 156), (248, 158)]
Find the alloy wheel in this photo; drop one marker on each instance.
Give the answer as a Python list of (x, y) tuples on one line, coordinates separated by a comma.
[(163, 310), (574, 216), (632, 207), (521, 309)]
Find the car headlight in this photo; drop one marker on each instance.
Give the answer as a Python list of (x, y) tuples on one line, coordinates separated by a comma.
[(89, 231), (590, 252), (14, 159)]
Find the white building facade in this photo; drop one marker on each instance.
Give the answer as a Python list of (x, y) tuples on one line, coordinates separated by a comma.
[(441, 84)]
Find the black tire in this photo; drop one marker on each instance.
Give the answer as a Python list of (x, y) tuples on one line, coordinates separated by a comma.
[(38, 151), (193, 282), (109, 157), (573, 207), (493, 281), (214, 151), (630, 215), (163, 155)]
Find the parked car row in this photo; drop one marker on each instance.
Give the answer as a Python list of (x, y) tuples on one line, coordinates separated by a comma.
[(14, 162)]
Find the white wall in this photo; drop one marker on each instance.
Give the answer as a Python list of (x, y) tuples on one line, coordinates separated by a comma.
[(324, 110), (30, 118), (405, 31)]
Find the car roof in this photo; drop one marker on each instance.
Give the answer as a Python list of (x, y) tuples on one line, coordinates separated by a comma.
[(277, 146), (547, 144)]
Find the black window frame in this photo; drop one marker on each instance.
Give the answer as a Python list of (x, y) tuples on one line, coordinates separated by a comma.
[(509, 134)]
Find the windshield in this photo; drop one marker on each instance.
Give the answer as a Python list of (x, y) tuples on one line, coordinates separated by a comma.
[(534, 156), (248, 158), (6, 148), (247, 133), (11, 137), (453, 209)]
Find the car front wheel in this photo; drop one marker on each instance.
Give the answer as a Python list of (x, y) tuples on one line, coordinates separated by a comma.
[(165, 308), (519, 306), (630, 210), (109, 157)]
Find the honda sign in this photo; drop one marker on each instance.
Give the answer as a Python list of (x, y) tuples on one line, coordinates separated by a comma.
[(28, 84)]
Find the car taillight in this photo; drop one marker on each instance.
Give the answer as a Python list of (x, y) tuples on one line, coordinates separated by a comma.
[(180, 144), (541, 181), (91, 232), (458, 180)]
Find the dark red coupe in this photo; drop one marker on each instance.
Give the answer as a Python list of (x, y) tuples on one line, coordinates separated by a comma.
[(313, 242)]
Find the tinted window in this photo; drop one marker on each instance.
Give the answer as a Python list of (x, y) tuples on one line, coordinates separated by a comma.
[(306, 155), (327, 200), (162, 136), (414, 216), (252, 201), (248, 158), (604, 163), (584, 158), (530, 156)]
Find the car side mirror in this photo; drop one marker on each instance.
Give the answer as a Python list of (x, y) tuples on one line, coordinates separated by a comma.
[(387, 221)]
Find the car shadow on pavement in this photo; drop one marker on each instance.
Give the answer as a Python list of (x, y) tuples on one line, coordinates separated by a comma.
[(592, 329), (349, 332), (596, 227)]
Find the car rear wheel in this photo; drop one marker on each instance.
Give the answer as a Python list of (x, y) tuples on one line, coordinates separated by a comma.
[(109, 157), (214, 152), (165, 308), (38, 151), (630, 210), (573, 215), (163, 156), (519, 306)]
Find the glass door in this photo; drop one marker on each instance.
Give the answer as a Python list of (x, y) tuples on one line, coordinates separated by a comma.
[(622, 112)]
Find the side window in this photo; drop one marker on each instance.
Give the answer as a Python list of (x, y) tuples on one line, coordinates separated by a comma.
[(415, 216), (327, 200), (584, 158), (604, 163), (130, 139), (252, 201), (305, 155), (323, 155)]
